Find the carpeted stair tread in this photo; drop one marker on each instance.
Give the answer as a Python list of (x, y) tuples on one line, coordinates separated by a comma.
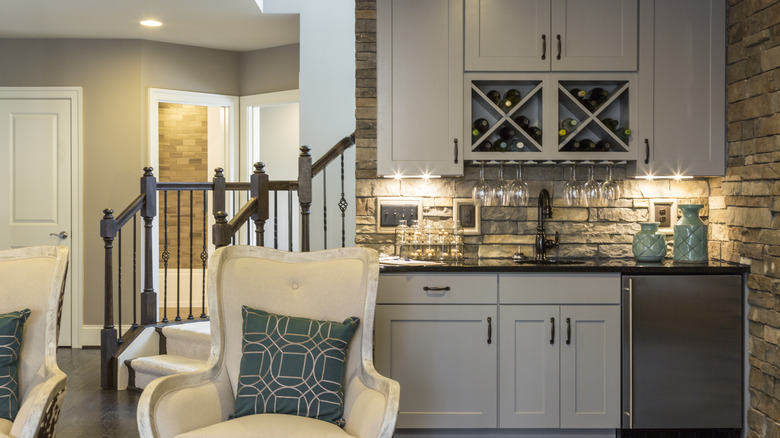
[(149, 368), (191, 340)]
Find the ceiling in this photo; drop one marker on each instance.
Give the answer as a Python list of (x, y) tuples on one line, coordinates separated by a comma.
[(236, 25)]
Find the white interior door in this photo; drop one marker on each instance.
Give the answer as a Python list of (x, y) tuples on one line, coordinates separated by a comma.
[(35, 181)]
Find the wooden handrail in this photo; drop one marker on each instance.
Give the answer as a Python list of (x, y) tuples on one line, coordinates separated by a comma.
[(332, 154), (130, 211)]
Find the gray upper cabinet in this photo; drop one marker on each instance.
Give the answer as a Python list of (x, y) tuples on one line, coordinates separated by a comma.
[(682, 88), (551, 35), (419, 87)]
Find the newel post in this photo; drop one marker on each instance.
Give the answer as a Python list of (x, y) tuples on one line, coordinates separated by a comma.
[(220, 189), (108, 335), (304, 194), (259, 190), (148, 213), (220, 230)]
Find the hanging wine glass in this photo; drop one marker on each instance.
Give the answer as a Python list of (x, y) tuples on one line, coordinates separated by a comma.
[(518, 190), (572, 191), (500, 188), (610, 189), (483, 191), (592, 190)]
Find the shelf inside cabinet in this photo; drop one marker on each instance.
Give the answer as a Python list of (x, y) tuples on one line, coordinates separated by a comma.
[(506, 117)]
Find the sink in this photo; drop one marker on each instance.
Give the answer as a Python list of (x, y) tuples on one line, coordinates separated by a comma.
[(549, 261)]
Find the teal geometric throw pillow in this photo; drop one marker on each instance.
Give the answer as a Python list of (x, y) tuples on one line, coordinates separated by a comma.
[(293, 365), (11, 328)]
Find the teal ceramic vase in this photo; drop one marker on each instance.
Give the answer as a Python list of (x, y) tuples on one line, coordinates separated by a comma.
[(649, 244), (690, 236)]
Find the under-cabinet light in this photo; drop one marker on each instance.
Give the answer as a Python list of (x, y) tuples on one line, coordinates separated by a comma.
[(423, 176), (674, 177), (151, 23)]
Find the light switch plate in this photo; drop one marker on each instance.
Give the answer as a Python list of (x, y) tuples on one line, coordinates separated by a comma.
[(389, 211), (664, 211)]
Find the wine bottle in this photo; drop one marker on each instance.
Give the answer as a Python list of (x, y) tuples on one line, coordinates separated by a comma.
[(623, 133), (507, 132), (568, 124), (535, 133), (587, 145), (611, 124), (485, 146), (500, 145), (578, 93), (522, 122), (573, 145), (603, 145), (479, 127), (494, 96), (511, 98), (562, 133), (516, 144), (596, 97)]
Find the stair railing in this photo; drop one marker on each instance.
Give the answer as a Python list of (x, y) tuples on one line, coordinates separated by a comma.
[(252, 215)]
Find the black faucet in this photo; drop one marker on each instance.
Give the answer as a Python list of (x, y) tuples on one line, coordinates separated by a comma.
[(542, 243)]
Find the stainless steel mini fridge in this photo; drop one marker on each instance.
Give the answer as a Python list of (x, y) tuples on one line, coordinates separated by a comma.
[(682, 352)]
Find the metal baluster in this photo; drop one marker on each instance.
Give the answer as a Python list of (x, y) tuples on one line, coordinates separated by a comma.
[(289, 220), (343, 207), (135, 274), (325, 208), (248, 225), (204, 255), (276, 219), (119, 290), (178, 256), (192, 224), (165, 256)]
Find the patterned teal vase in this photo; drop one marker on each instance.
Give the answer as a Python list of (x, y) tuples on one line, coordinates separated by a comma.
[(649, 244), (690, 236)]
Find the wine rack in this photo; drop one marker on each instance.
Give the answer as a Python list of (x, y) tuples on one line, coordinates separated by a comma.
[(599, 124)]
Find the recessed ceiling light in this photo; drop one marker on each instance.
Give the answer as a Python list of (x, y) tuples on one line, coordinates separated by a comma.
[(151, 23)]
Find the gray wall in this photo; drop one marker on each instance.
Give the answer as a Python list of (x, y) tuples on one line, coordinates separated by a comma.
[(269, 70), (115, 76)]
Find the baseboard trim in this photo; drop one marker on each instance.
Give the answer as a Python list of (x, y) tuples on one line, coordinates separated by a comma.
[(90, 335)]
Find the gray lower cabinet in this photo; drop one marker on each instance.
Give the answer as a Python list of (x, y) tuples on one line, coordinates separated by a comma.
[(502, 351)]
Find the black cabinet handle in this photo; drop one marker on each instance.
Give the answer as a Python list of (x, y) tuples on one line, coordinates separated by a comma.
[(544, 46), (552, 331), (568, 331), (559, 47), (490, 330), (647, 151), (436, 288), (456, 150)]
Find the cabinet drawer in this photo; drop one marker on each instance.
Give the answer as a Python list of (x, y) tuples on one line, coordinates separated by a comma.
[(559, 288), (438, 289)]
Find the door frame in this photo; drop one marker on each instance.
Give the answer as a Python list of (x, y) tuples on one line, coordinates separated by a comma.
[(231, 158), (75, 270)]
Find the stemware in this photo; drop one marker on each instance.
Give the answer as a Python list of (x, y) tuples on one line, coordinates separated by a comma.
[(518, 190), (483, 191), (610, 189), (500, 188), (592, 190), (573, 190)]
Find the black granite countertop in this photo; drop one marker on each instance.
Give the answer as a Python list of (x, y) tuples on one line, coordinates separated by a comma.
[(624, 266)]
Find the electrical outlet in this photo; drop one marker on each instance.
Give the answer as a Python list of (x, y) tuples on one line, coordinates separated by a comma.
[(390, 215), (663, 215)]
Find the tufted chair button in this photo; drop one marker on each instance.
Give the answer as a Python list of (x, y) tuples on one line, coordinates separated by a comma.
[(295, 286)]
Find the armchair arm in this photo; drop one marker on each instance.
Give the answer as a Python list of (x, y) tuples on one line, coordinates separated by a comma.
[(371, 403), (182, 402), (39, 413)]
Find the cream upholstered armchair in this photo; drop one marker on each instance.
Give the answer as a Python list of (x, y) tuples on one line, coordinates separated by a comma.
[(34, 278), (329, 285)]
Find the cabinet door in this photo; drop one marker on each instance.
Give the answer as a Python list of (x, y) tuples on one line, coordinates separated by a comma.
[(590, 367), (444, 357), (528, 360), (594, 35), (508, 35), (419, 86), (682, 88)]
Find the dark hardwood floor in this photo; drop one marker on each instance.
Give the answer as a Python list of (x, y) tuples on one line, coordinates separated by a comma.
[(88, 410)]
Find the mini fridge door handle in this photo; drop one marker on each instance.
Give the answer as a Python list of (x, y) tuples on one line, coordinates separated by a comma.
[(628, 397)]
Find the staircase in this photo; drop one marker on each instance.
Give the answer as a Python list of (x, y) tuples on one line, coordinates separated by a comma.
[(185, 348)]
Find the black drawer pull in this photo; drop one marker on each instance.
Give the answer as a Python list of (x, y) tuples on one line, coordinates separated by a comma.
[(568, 331), (490, 330), (436, 288), (544, 46)]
